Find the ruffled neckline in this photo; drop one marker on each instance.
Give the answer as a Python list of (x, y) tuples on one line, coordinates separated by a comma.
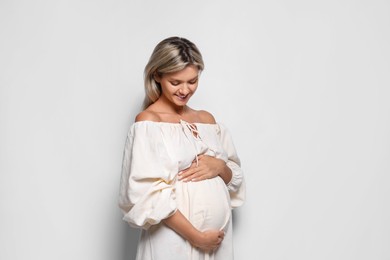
[(173, 123)]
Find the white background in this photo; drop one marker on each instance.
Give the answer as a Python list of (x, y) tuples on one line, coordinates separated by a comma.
[(303, 87)]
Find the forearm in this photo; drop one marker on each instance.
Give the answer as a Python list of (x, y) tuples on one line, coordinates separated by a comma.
[(180, 224)]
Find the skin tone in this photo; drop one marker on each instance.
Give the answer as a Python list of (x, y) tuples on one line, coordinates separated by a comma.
[(177, 89)]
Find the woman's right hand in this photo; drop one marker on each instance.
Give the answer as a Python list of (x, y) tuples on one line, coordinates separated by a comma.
[(208, 240)]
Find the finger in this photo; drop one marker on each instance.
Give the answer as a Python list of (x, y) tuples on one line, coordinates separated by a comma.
[(192, 165), (201, 156), (196, 160), (189, 175), (185, 173), (202, 174), (199, 176), (186, 169), (195, 173), (186, 177)]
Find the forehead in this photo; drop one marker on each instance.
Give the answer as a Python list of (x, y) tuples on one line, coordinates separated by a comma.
[(187, 73)]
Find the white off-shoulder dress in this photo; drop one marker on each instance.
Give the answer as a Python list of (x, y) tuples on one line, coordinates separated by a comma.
[(150, 191)]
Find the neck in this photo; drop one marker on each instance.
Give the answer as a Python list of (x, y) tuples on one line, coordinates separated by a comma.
[(180, 110)]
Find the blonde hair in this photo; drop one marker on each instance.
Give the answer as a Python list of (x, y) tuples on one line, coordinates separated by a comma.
[(170, 55)]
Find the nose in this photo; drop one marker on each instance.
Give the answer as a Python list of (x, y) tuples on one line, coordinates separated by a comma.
[(185, 89)]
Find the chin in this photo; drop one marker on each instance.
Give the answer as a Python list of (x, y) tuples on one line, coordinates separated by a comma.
[(181, 103)]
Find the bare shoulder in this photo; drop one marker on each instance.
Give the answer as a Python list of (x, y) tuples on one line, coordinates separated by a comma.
[(206, 117), (147, 115)]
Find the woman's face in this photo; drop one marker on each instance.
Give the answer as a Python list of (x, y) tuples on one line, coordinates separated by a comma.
[(178, 87)]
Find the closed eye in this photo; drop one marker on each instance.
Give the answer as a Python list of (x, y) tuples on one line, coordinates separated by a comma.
[(194, 81)]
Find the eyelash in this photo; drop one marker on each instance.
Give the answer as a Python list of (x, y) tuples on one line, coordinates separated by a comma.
[(177, 83)]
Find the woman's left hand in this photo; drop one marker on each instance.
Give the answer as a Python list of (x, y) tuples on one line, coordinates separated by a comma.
[(208, 167)]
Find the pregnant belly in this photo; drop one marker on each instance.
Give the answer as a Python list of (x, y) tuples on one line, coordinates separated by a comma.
[(206, 203)]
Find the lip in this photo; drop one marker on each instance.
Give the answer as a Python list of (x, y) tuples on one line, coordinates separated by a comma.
[(182, 97)]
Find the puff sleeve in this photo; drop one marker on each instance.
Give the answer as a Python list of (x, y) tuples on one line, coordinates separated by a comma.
[(147, 193), (236, 186)]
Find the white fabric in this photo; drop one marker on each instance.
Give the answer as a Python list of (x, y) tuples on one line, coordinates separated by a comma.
[(150, 191)]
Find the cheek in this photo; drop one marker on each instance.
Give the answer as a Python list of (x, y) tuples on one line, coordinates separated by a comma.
[(167, 88), (164, 85), (194, 88)]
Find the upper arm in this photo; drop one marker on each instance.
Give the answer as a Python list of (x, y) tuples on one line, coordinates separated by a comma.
[(206, 117), (147, 116)]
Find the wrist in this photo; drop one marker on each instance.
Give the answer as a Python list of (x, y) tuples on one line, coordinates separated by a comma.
[(222, 167), (195, 238), (226, 173)]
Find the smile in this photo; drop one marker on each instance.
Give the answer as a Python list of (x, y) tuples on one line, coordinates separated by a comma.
[(181, 97)]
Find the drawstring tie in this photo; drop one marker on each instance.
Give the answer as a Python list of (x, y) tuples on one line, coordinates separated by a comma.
[(193, 131)]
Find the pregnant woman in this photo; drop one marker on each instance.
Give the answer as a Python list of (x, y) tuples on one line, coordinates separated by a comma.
[(181, 175)]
